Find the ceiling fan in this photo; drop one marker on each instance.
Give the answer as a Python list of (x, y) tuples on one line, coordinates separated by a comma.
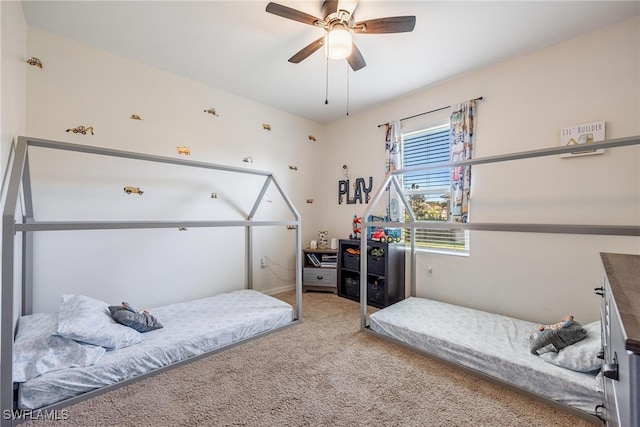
[(340, 24)]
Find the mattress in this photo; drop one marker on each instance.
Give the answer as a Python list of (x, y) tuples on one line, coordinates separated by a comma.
[(489, 343), (190, 329)]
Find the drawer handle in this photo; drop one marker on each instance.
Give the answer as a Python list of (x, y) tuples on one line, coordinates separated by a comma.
[(610, 370), (598, 291), (319, 277)]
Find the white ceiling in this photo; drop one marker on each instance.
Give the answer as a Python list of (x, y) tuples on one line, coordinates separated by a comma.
[(238, 47)]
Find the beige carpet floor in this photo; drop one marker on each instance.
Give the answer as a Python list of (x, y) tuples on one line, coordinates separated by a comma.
[(321, 372)]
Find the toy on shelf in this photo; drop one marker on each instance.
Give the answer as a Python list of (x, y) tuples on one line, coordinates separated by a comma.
[(388, 235), (129, 189), (212, 111), (384, 234), (135, 117), (184, 150), (357, 220)]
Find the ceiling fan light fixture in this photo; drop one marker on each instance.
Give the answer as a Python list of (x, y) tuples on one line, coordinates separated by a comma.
[(338, 43)]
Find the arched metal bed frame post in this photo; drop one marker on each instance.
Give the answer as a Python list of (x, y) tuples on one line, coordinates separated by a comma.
[(272, 179), (391, 178), (19, 180), (8, 252)]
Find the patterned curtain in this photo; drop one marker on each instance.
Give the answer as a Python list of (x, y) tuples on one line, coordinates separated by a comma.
[(393, 145), (462, 123)]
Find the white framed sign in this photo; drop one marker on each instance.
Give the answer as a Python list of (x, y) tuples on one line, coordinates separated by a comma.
[(581, 136)]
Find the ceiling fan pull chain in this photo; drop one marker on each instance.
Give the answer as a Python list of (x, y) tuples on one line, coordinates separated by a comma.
[(348, 76), (326, 92)]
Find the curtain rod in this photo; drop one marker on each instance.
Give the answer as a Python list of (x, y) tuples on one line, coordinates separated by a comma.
[(428, 112)]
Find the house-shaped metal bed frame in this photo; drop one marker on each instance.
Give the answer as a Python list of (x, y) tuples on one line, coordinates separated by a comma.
[(413, 224), (14, 226)]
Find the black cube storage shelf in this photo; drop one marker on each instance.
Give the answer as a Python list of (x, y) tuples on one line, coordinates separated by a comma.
[(385, 272)]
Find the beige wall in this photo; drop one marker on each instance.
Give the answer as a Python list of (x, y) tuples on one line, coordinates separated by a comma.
[(81, 85), (13, 76), (12, 91), (526, 101)]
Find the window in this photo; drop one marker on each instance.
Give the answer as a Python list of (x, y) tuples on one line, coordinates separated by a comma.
[(428, 192)]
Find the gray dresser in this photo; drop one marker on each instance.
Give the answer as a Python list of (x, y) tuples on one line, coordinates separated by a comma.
[(621, 339), (319, 270)]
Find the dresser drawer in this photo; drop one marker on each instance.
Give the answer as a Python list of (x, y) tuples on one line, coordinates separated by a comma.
[(319, 277)]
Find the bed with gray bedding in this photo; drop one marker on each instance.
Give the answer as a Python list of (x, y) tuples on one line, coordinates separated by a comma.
[(51, 367), (498, 346)]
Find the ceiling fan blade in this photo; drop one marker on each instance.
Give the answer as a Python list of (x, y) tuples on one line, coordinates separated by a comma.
[(307, 50), (392, 24), (289, 13), (356, 60)]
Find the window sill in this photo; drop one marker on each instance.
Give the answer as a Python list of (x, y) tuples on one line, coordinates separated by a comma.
[(439, 251)]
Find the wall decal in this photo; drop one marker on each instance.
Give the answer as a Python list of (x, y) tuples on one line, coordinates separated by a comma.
[(291, 227), (81, 129), (135, 117), (312, 138), (581, 136), (248, 159), (35, 62), (183, 229), (133, 190), (266, 126), (359, 187), (293, 168), (212, 111), (214, 195), (310, 201), (184, 150)]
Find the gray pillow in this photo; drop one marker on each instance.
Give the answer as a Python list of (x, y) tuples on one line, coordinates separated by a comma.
[(554, 340), (141, 322)]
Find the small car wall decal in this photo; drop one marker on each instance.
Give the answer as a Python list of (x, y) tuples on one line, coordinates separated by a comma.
[(130, 189)]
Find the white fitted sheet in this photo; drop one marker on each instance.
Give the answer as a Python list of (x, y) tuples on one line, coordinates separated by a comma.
[(190, 329), (489, 343)]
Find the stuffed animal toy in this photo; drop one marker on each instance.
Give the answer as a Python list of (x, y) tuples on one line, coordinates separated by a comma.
[(128, 306), (140, 320), (564, 323), (555, 337)]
